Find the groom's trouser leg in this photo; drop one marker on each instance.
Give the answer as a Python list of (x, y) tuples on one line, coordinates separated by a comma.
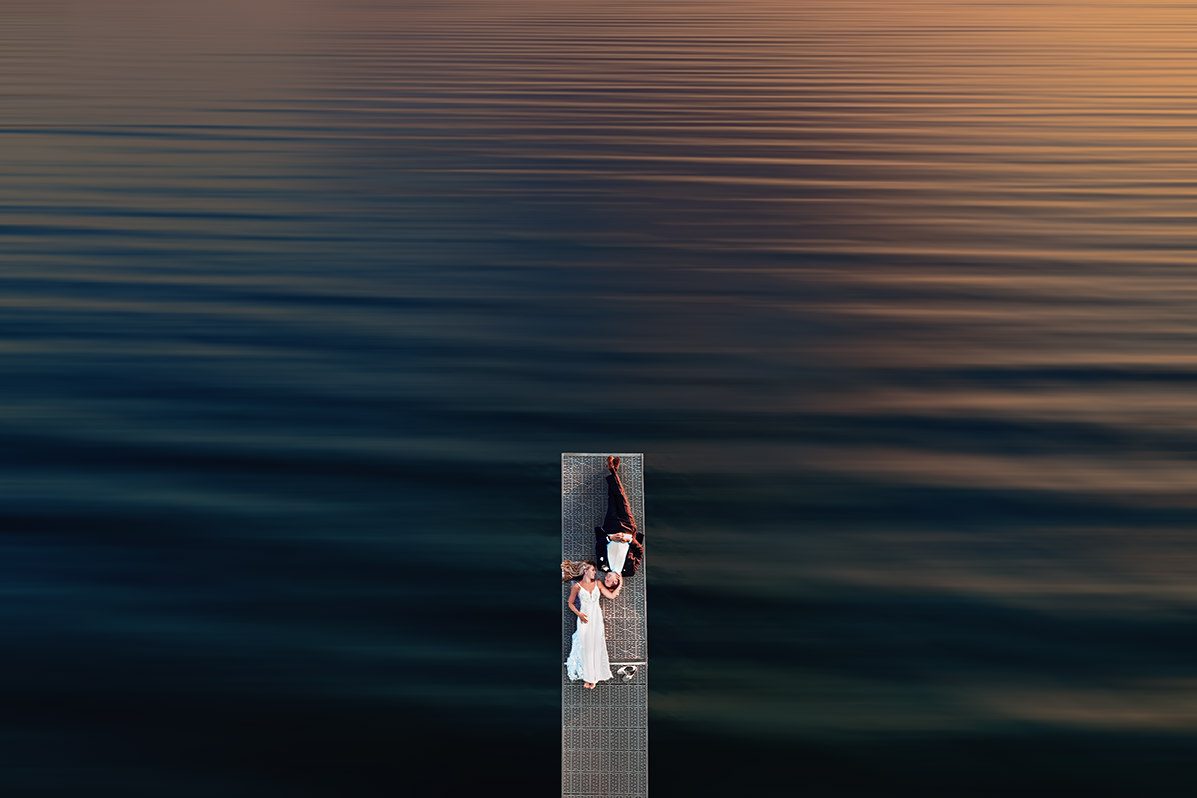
[(619, 512)]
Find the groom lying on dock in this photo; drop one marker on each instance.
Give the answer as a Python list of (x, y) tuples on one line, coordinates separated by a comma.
[(618, 545)]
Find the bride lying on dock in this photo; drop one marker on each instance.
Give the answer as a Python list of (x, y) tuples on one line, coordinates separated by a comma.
[(588, 658)]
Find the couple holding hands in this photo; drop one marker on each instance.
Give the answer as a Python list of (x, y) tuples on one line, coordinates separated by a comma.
[(618, 550)]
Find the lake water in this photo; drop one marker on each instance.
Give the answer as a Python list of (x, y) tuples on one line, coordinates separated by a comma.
[(303, 300)]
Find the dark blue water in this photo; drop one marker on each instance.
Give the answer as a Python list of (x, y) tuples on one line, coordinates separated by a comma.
[(302, 301)]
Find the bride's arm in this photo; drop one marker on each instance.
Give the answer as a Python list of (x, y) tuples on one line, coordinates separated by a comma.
[(603, 589), (569, 602)]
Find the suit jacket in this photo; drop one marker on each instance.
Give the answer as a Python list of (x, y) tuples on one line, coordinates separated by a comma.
[(635, 552)]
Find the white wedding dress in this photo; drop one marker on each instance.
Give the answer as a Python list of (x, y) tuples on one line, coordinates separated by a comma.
[(588, 659)]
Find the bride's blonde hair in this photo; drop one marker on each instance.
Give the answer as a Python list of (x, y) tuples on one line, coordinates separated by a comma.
[(573, 569)]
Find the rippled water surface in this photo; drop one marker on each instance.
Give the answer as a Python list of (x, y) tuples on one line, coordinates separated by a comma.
[(302, 300)]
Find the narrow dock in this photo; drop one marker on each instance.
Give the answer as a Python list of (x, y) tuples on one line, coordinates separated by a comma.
[(604, 731)]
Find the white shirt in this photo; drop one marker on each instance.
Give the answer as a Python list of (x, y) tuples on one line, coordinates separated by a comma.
[(617, 553)]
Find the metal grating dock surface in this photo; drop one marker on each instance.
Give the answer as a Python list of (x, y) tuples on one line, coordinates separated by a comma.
[(604, 731)]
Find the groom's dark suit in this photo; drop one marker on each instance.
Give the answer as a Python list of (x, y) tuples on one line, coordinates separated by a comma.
[(635, 552), (618, 519)]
